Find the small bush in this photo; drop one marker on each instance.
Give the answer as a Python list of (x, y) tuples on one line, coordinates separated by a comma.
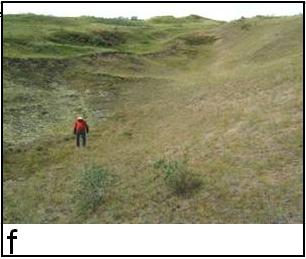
[(91, 188), (178, 176)]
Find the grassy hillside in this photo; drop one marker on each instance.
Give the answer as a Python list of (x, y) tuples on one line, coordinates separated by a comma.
[(191, 120)]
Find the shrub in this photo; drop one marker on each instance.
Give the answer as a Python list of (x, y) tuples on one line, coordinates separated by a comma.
[(91, 188), (178, 176)]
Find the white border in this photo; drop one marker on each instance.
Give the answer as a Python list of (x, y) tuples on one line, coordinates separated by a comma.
[(146, 239)]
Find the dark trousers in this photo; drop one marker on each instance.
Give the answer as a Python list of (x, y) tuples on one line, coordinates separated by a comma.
[(78, 136)]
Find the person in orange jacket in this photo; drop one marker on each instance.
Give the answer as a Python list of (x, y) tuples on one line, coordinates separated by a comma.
[(80, 130)]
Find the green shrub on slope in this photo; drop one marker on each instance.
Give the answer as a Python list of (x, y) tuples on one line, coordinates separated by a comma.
[(91, 188), (178, 176)]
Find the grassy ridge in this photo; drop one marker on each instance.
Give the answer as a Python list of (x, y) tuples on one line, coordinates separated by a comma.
[(225, 98), (42, 36)]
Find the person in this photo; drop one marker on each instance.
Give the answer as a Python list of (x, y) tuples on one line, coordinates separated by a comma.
[(80, 130)]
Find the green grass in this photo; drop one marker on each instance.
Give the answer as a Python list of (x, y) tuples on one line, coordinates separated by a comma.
[(226, 95), (64, 37)]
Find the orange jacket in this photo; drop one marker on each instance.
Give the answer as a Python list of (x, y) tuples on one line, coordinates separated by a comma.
[(80, 126)]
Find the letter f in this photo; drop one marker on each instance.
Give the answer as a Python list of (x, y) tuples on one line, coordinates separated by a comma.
[(11, 237)]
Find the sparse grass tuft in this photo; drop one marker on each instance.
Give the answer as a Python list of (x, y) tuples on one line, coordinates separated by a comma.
[(91, 188), (178, 177)]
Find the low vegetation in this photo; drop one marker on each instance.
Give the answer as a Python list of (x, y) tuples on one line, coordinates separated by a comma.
[(91, 189), (178, 176), (95, 38)]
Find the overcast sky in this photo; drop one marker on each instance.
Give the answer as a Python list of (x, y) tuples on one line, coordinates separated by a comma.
[(218, 11)]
